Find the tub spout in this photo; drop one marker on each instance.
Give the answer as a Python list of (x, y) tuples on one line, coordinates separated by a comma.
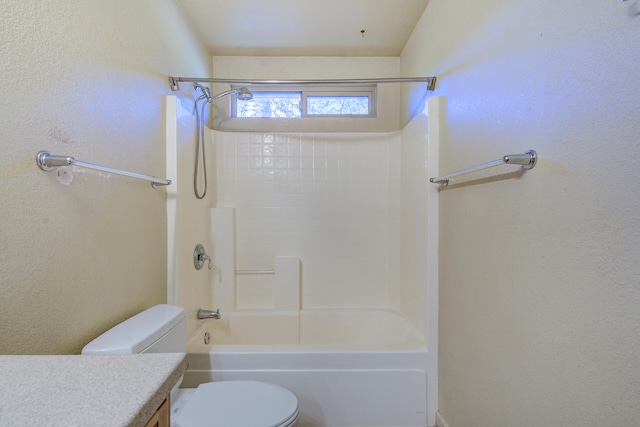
[(208, 314)]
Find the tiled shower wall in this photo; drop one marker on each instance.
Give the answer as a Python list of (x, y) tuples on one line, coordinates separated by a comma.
[(331, 199)]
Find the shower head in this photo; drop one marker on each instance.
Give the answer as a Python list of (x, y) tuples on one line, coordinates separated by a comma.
[(244, 94)]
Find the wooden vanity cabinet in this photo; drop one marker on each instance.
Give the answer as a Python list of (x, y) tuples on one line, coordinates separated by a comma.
[(161, 417)]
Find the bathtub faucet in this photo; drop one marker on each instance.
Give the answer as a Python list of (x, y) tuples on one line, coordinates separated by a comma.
[(208, 314)]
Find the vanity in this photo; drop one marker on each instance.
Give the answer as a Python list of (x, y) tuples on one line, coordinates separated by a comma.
[(74, 390)]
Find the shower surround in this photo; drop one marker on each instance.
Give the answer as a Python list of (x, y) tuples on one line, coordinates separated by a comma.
[(328, 199), (335, 226)]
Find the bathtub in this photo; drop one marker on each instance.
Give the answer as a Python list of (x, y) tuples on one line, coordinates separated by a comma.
[(346, 367)]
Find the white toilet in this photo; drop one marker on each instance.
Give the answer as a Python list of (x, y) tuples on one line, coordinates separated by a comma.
[(163, 329)]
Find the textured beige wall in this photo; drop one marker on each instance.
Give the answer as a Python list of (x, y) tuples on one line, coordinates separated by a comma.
[(539, 274), (87, 79)]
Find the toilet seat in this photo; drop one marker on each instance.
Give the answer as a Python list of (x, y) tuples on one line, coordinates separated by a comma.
[(239, 404)]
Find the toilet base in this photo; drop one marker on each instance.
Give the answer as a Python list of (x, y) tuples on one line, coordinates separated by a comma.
[(199, 405), (178, 401)]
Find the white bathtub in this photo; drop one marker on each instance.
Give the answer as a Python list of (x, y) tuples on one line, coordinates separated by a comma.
[(346, 367)]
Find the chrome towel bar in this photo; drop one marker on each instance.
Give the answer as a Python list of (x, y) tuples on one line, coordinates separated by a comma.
[(527, 160), (47, 161)]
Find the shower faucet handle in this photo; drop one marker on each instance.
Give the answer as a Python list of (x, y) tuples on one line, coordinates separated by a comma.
[(207, 257), (199, 256)]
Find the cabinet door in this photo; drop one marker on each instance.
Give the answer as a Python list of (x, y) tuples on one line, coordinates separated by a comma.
[(161, 417)]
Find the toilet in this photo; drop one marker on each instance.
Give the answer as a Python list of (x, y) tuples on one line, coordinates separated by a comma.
[(163, 329)]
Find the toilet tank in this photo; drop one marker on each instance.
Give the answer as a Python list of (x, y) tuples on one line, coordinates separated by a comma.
[(159, 329)]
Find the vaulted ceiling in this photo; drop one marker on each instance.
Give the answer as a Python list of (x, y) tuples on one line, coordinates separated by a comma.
[(304, 27)]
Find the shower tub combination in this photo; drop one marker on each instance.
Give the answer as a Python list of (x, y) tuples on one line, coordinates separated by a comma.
[(360, 367), (346, 367)]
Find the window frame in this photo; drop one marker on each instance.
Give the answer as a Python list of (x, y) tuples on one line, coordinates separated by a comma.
[(368, 90)]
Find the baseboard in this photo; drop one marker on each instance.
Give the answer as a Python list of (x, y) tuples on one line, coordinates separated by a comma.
[(440, 422)]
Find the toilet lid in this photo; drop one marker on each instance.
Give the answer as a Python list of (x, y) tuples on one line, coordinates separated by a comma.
[(239, 404)]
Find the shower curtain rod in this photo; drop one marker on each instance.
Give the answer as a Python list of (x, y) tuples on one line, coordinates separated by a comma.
[(431, 81)]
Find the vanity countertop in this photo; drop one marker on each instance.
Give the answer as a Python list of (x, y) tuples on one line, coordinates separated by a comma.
[(74, 390)]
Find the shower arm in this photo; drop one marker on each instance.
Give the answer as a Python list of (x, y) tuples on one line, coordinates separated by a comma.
[(243, 93), (223, 94), (174, 82)]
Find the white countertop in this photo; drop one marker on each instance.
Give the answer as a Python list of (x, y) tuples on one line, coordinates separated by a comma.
[(83, 391)]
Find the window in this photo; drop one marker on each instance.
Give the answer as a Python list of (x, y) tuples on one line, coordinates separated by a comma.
[(269, 103), (309, 101)]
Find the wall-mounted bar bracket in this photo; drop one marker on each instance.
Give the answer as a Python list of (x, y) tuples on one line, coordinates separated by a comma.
[(432, 83), (173, 83)]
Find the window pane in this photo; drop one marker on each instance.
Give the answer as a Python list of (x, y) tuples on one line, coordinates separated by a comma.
[(338, 105), (271, 104)]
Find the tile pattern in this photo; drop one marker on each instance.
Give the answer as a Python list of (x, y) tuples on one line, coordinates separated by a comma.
[(330, 199)]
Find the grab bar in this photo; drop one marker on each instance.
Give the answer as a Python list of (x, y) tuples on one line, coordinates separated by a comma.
[(527, 160), (47, 161), (241, 272)]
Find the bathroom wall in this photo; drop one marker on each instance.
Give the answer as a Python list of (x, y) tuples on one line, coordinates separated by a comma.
[(539, 302), (331, 199), (85, 79)]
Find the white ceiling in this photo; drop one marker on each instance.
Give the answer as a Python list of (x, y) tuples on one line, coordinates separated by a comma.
[(304, 27)]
